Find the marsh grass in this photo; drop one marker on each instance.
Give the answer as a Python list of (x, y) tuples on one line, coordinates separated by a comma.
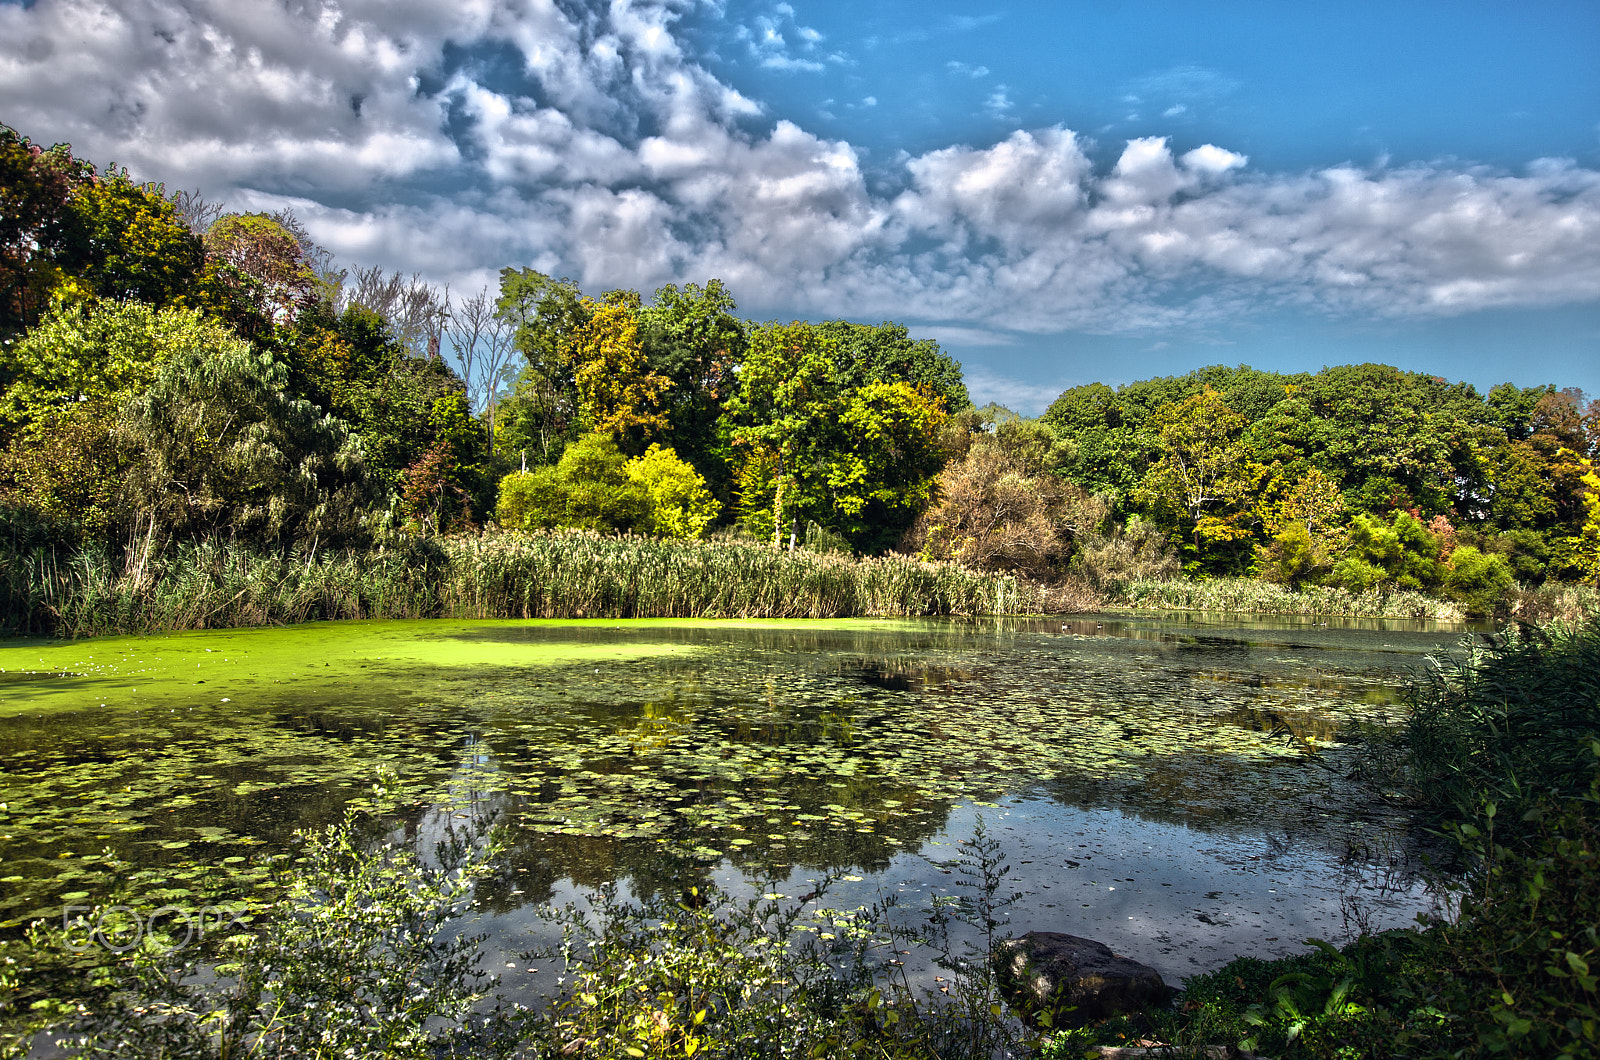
[(150, 585), (1512, 722), (1250, 596)]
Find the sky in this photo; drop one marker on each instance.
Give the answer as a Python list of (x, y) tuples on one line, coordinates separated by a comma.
[(1059, 193)]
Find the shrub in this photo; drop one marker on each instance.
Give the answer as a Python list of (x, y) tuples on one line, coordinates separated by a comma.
[(1481, 583), (680, 503), (354, 960)]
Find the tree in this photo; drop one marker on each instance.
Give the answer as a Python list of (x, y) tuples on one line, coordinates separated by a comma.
[(999, 507), (130, 242), (1201, 483), (1586, 543), (1479, 582), (787, 395), (541, 415), (263, 263), (223, 448), (1301, 513), (691, 337), (101, 354), (886, 353), (36, 185), (1400, 554), (414, 310), (442, 486), (481, 341), (884, 462), (617, 391), (350, 365)]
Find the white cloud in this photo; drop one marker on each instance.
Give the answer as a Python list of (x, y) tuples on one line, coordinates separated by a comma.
[(768, 42), (1030, 399), (974, 72), (958, 336), (998, 103), (623, 162)]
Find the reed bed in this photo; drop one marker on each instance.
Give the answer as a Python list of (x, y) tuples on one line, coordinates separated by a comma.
[(209, 584), (1269, 598)]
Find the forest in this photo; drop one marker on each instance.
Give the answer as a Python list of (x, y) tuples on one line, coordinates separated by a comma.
[(175, 372)]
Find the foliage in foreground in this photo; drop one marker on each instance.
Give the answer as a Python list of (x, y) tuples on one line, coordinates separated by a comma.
[(353, 961), (1511, 723)]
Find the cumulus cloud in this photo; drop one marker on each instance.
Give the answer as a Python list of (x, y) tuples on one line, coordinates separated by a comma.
[(769, 41), (974, 72), (615, 157)]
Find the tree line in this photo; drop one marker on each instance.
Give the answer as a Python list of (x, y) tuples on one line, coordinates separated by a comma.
[(174, 369)]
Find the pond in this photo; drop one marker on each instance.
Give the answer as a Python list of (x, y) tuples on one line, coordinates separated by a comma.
[(1169, 785)]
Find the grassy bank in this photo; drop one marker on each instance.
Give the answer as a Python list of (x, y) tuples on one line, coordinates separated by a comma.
[(151, 586)]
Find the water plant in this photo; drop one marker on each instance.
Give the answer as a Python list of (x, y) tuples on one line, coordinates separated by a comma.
[(1249, 595), (353, 959), (155, 585)]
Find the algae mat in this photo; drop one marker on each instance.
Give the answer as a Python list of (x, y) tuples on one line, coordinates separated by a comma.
[(656, 751)]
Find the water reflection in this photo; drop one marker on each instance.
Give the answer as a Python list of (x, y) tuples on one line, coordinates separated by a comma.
[(767, 750)]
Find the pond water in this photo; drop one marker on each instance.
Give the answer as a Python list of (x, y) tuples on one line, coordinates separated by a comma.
[(1170, 785)]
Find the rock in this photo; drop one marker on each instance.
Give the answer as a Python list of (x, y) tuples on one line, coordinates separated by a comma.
[(1076, 980)]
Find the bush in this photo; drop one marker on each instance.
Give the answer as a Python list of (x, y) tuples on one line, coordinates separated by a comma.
[(354, 960), (595, 487), (1481, 584), (1510, 723), (680, 503)]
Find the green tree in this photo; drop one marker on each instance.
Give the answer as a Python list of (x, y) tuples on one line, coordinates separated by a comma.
[(691, 337), (788, 395), (1201, 485), (1479, 582), (541, 416), (886, 353), (224, 448), (884, 462), (130, 241), (350, 365), (1399, 554), (102, 354)]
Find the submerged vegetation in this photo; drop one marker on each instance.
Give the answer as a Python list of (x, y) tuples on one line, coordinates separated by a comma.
[(1505, 970)]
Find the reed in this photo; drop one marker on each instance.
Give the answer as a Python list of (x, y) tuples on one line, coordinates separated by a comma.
[(154, 586), (1251, 596)]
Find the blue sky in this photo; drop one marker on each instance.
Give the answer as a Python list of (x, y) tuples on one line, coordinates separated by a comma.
[(1059, 192)]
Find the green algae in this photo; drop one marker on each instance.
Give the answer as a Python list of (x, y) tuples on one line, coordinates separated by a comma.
[(649, 749), (235, 664)]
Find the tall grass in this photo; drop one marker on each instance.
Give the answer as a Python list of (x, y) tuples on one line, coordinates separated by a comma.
[(1516, 720), (1269, 598), (152, 586)]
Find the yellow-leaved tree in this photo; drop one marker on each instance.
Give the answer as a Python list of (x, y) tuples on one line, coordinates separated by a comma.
[(616, 388)]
